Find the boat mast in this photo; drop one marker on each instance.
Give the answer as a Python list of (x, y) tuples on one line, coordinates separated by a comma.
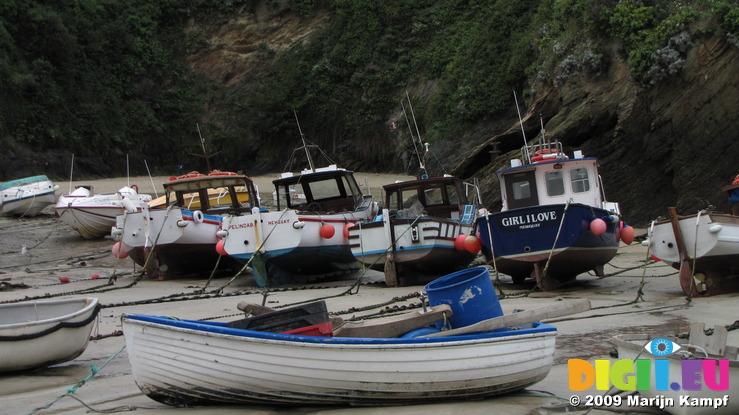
[(526, 154), (422, 160), (205, 151), (305, 145), (71, 172)]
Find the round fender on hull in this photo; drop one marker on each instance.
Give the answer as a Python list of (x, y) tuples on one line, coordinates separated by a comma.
[(198, 216), (472, 244), (598, 226), (459, 242), (327, 231), (119, 251), (220, 247)]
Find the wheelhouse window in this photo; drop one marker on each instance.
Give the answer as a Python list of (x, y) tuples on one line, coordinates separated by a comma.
[(351, 187), (579, 180), (451, 192), (433, 196), (521, 190), (325, 189), (555, 183)]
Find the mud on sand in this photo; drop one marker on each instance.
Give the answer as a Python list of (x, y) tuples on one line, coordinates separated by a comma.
[(58, 251)]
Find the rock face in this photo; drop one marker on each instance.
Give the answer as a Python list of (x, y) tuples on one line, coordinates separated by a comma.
[(675, 144)]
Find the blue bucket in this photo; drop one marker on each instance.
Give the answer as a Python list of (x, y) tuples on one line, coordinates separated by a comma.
[(469, 293)]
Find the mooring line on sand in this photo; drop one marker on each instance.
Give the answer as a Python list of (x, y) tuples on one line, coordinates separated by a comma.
[(94, 370)]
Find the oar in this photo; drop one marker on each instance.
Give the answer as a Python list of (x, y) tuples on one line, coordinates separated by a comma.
[(523, 317)]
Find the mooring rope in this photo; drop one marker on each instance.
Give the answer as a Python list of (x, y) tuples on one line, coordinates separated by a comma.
[(94, 370), (556, 239)]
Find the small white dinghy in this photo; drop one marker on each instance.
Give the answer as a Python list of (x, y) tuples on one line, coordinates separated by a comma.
[(93, 215), (26, 197), (186, 362), (36, 334)]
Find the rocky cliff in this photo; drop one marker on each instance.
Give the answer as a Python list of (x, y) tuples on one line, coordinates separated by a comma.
[(674, 144), (670, 144)]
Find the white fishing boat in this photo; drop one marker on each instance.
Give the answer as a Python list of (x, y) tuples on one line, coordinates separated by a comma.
[(186, 362), (306, 237), (179, 239), (36, 334), (555, 222), (425, 230), (704, 247), (667, 385), (26, 197), (93, 214)]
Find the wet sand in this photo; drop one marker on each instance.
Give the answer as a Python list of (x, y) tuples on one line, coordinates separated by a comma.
[(59, 251)]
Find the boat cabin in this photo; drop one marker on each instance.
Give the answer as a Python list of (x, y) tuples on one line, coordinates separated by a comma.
[(217, 192), (327, 189), (550, 177), (441, 197)]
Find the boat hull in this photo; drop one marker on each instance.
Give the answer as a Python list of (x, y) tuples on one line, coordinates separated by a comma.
[(631, 347), (424, 245), (177, 242), (26, 197), (215, 364), (282, 246), (524, 240), (92, 216), (711, 242), (43, 333)]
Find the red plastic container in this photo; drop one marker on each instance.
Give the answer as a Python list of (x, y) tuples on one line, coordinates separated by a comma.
[(323, 330)]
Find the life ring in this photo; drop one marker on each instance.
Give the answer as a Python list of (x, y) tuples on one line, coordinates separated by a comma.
[(736, 181), (189, 175), (221, 173), (197, 216)]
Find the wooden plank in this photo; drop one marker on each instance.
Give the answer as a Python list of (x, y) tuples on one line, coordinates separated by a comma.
[(394, 326), (523, 317)]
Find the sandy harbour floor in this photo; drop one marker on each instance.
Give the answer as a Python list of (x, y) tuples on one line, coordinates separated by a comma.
[(60, 251)]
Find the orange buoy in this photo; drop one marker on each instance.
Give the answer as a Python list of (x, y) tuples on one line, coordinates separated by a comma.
[(64, 280), (119, 251), (459, 242), (472, 244), (220, 248), (95, 276), (627, 234), (598, 226), (327, 231)]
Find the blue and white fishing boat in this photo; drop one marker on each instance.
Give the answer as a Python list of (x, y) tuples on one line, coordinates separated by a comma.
[(425, 230), (427, 225), (306, 238), (555, 222), (26, 197), (187, 362)]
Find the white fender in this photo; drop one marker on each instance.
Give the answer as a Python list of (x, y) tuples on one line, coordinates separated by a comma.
[(128, 205)]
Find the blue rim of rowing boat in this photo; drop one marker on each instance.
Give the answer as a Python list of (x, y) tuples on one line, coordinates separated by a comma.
[(222, 328)]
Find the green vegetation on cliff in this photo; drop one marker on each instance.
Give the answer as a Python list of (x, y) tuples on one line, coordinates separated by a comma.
[(95, 77)]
